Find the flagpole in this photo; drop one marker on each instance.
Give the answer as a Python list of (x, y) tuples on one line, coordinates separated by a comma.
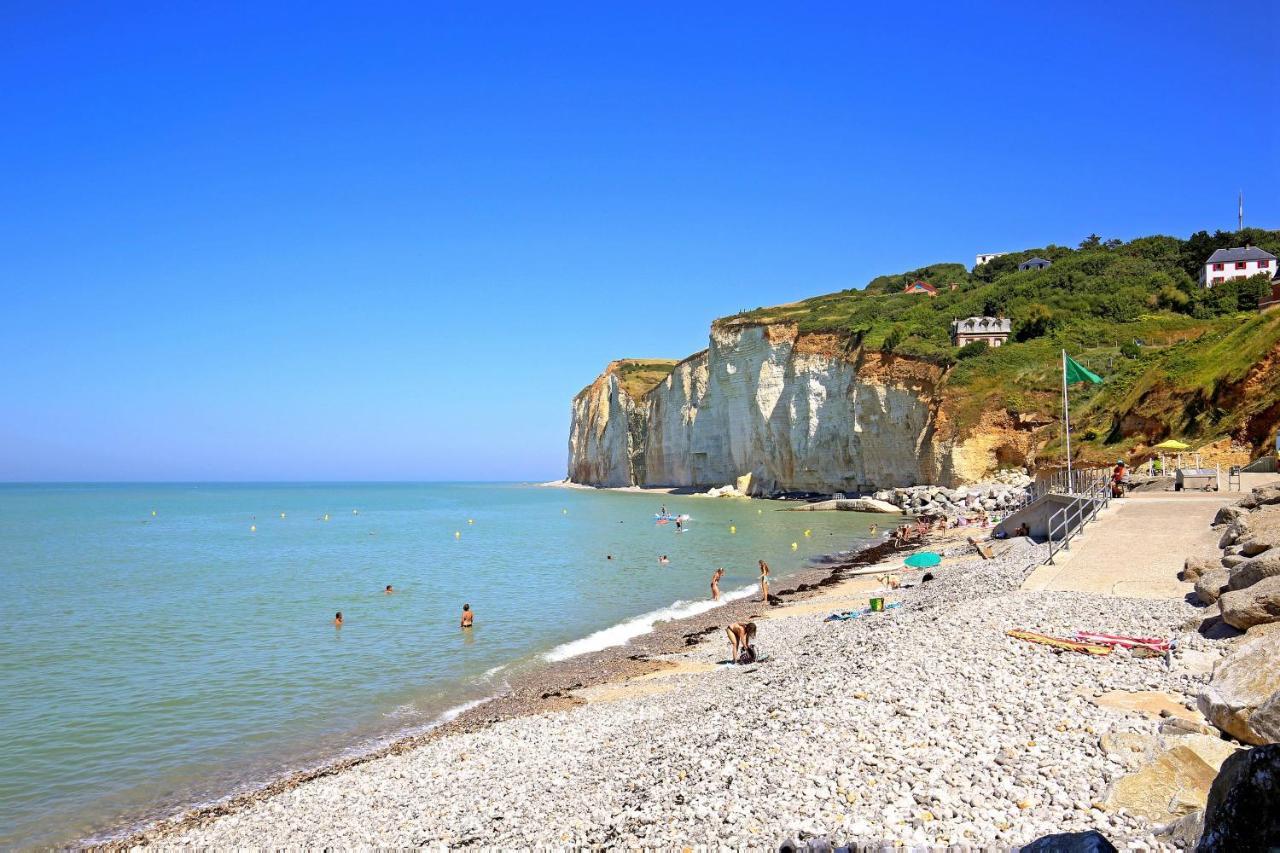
[(1066, 422)]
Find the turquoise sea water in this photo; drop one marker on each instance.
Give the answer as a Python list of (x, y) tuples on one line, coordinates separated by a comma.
[(159, 652)]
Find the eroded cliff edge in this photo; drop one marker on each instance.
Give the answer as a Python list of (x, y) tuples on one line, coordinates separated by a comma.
[(797, 412)]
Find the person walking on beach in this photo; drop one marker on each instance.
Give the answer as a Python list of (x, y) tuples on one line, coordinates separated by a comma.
[(467, 616), (337, 619), (715, 584), (742, 636), (764, 581)]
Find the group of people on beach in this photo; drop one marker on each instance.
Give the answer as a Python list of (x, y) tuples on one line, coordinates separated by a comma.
[(468, 615)]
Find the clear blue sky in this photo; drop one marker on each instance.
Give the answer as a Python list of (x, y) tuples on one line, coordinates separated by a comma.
[(391, 241)]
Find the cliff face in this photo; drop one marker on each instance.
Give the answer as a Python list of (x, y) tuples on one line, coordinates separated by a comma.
[(793, 411)]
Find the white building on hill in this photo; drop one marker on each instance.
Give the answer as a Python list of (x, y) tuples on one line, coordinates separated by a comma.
[(994, 331), (982, 259), (1239, 262)]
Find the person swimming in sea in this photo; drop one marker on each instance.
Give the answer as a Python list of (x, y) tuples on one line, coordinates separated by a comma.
[(337, 619), (715, 584), (742, 636), (467, 616), (663, 560), (388, 590), (764, 581)]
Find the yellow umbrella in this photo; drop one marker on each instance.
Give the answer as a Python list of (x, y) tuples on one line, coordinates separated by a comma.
[(1172, 444)]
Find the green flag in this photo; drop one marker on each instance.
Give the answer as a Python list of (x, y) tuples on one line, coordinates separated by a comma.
[(1077, 372)]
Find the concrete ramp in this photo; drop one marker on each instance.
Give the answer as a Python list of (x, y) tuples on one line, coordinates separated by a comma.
[(1136, 547)]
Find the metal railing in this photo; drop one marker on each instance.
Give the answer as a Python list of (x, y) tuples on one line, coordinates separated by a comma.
[(1269, 464), (1085, 505)]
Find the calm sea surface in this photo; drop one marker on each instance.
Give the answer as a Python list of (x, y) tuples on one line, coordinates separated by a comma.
[(158, 651)]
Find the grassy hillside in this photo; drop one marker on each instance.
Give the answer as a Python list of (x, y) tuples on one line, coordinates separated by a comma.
[(1177, 358)]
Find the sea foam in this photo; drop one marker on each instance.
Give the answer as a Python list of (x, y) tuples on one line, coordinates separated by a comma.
[(623, 632)]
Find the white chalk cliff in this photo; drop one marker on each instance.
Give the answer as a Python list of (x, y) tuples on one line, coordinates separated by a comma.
[(796, 412)]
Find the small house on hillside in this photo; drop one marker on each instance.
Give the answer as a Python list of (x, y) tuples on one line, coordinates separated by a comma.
[(1239, 262), (1272, 302), (986, 257), (993, 331), (1034, 264), (921, 287)]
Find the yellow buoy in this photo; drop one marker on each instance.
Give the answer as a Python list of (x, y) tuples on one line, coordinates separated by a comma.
[(253, 528), (153, 513), (759, 511), (355, 512), (564, 512), (733, 529), (457, 534), (471, 521), (282, 515), (794, 546), (807, 532)]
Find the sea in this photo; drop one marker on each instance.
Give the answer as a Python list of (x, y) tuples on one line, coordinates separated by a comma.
[(165, 646)]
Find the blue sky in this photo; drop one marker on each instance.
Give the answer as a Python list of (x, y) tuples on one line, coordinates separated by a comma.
[(269, 241)]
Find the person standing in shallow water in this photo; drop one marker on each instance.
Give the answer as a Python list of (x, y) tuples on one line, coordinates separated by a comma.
[(337, 619), (764, 581), (467, 616), (715, 584)]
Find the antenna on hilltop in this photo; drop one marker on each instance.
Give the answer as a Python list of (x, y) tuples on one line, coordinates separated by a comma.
[(1240, 212)]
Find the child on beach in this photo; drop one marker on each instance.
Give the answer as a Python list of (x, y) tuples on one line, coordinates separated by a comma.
[(764, 581), (715, 584), (467, 616)]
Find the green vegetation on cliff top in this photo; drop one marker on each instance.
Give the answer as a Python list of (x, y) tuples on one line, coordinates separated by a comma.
[(1172, 352), (638, 376)]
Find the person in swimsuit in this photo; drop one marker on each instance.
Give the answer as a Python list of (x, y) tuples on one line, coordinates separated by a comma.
[(337, 619), (742, 636), (715, 584), (467, 616), (679, 529), (764, 581), (663, 560), (388, 590)]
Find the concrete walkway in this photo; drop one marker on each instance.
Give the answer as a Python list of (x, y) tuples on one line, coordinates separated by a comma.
[(1138, 545)]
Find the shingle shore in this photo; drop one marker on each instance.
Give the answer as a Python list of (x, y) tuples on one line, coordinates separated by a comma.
[(925, 726)]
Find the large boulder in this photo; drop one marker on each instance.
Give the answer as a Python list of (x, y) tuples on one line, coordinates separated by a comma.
[(1234, 531), (1194, 567), (1241, 813), (1228, 514), (1230, 561), (1263, 531), (1242, 700), (1248, 572), (1210, 585), (1173, 776), (1253, 605)]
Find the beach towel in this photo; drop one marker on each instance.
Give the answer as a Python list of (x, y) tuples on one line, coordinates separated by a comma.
[(1059, 642), (1154, 643)]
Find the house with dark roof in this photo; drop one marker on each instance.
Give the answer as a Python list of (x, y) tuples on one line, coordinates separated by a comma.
[(1034, 264), (1239, 262), (994, 331), (921, 287)]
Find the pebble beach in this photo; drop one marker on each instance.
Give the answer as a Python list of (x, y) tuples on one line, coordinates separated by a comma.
[(923, 726)]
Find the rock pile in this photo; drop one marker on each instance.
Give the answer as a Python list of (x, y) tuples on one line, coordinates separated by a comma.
[(1004, 493), (1243, 699)]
